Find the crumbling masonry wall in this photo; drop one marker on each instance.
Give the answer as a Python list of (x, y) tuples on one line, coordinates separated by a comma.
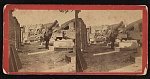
[(14, 43), (14, 31)]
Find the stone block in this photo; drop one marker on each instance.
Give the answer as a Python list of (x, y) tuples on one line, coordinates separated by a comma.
[(118, 49), (71, 58), (64, 44), (51, 48), (128, 44)]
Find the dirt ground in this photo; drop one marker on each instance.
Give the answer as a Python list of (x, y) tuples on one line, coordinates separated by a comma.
[(33, 47), (135, 67), (44, 62), (39, 62), (94, 66)]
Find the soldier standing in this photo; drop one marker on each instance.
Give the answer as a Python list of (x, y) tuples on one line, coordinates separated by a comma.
[(48, 34), (112, 39)]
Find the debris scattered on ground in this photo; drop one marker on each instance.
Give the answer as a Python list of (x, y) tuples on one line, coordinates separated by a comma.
[(41, 60)]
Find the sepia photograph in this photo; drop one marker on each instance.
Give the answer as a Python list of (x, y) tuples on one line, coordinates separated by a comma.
[(76, 40), (114, 41), (43, 40)]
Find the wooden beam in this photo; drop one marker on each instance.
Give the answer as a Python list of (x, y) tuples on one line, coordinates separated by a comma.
[(104, 53), (47, 51)]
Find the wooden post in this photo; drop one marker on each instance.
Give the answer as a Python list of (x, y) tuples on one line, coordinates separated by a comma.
[(80, 62), (77, 44)]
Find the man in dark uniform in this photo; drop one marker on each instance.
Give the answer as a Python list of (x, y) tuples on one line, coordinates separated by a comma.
[(48, 34), (113, 36), (114, 33)]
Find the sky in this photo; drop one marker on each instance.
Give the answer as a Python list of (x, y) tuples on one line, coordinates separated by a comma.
[(90, 17)]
